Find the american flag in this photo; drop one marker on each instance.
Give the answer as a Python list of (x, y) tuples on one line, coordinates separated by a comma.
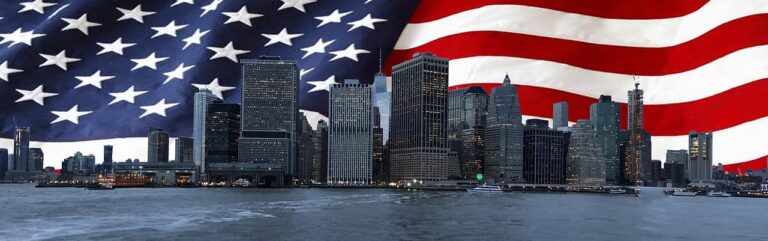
[(94, 69)]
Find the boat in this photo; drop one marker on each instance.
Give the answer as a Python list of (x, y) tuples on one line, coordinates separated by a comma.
[(485, 188), (718, 194), (242, 182), (101, 186), (684, 193), (616, 190)]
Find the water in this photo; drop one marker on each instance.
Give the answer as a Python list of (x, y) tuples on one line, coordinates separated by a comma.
[(28, 213)]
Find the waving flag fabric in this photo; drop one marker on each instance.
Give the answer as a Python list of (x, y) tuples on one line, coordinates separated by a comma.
[(100, 69)]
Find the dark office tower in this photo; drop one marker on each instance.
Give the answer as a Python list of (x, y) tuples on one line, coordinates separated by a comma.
[(473, 154), (21, 149), (467, 108), (679, 156), (675, 173), (157, 145), (656, 174), (36, 159), (545, 152), (456, 144), (700, 155), (350, 138), (456, 112), (184, 149), (585, 164), (504, 135), (3, 162), (560, 115), (322, 133), (419, 119), (633, 165), (378, 148), (202, 99), (317, 152), (270, 112), (306, 151), (222, 131), (107, 161), (605, 117)]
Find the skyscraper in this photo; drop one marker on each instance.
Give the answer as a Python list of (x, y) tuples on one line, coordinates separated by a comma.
[(382, 98), (21, 149), (456, 111), (585, 164), (157, 145), (633, 153), (605, 117), (504, 135), (679, 156), (545, 153), (379, 175), (473, 160), (270, 112), (321, 173), (184, 149), (419, 121), (222, 131), (350, 133), (560, 115), (36, 159), (3, 162), (467, 108), (675, 173), (107, 162), (700, 155), (203, 98), (304, 163)]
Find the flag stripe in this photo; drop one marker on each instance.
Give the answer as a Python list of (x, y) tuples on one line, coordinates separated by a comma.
[(717, 16), (430, 10)]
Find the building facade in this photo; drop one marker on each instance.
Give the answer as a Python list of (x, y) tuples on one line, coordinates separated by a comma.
[(585, 164), (222, 132), (700, 155), (107, 161), (379, 173), (679, 156), (269, 112), (184, 149), (350, 133), (157, 145), (675, 173), (545, 153), (202, 99), (382, 98), (307, 153), (559, 115), (36, 159), (504, 135), (605, 117), (3, 162), (21, 149), (633, 152)]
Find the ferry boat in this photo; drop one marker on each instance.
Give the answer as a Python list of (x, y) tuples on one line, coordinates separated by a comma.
[(485, 188), (718, 194), (241, 183), (684, 193), (616, 190)]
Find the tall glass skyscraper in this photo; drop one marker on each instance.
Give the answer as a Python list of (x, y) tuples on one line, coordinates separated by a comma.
[(545, 153), (203, 98), (418, 134), (157, 145), (107, 161), (382, 98), (700, 155), (560, 115), (585, 164), (36, 159), (635, 140), (270, 112), (504, 135), (222, 131), (605, 117), (350, 133), (21, 149)]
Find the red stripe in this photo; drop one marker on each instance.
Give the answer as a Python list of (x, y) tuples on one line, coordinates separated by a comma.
[(725, 39), (717, 112), (742, 167), (429, 10)]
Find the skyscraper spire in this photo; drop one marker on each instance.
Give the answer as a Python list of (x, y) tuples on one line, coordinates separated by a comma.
[(506, 80)]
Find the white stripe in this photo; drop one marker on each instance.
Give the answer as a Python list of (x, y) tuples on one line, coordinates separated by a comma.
[(731, 71), (556, 24), (733, 145)]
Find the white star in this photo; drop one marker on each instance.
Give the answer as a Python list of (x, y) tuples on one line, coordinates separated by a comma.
[(81, 24), (95, 79), (4, 71), (319, 47), (242, 16), (228, 51), (282, 37), (215, 88), (149, 62), (36, 5), (59, 59), (72, 115), (36, 95), (135, 14), (334, 17), (128, 95), (115, 47), (322, 85), (177, 73), (297, 4), (211, 7), (169, 29), (367, 22), (183, 1), (20, 37), (367, 1), (158, 108), (302, 72), (350, 53), (195, 38)]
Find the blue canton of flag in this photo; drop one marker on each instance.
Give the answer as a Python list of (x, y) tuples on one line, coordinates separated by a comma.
[(94, 69)]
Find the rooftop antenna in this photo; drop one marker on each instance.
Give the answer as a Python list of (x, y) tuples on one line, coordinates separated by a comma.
[(380, 62), (637, 81), (14, 121)]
